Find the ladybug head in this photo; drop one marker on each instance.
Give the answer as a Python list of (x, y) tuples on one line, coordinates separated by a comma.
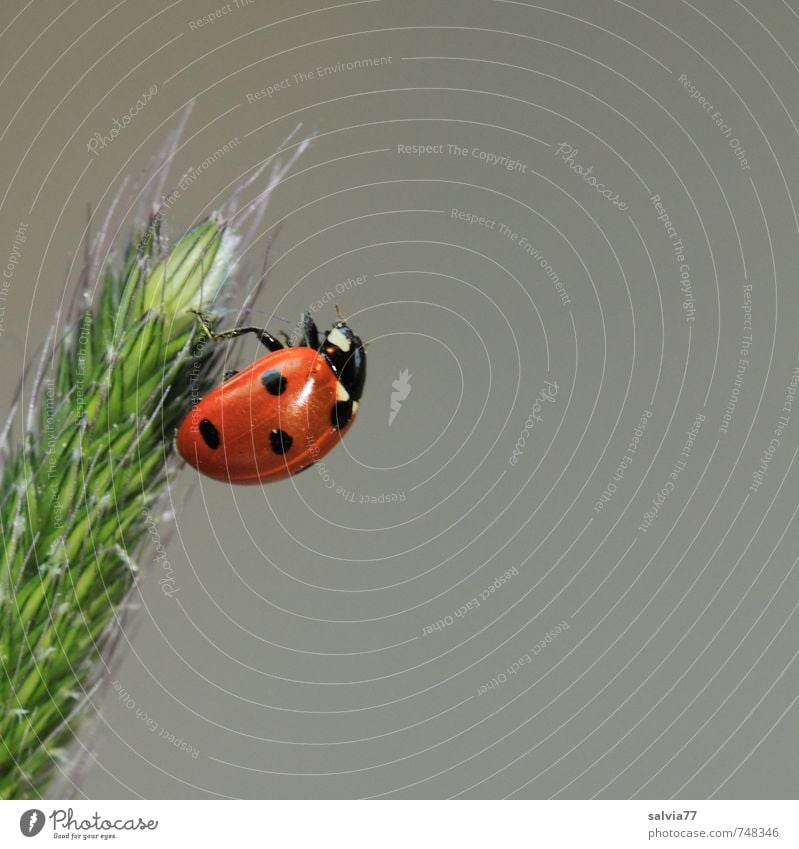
[(344, 352)]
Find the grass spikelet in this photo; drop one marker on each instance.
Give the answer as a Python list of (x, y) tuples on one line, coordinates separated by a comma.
[(80, 483)]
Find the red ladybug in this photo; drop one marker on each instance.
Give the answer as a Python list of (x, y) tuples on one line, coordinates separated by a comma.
[(282, 413)]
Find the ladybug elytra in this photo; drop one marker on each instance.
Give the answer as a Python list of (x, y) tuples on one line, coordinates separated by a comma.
[(281, 414)]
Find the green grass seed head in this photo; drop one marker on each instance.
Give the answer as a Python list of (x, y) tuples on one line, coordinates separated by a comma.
[(77, 485)]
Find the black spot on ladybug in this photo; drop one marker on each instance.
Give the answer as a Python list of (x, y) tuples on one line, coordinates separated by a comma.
[(280, 441), (209, 434), (341, 413), (273, 382)]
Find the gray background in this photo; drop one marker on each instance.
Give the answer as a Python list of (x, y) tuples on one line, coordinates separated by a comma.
[(293, 658)]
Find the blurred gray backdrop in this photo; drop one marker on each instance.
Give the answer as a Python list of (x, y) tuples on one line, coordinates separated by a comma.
[(556, 555)]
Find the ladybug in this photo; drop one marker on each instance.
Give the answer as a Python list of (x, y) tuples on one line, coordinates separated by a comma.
[(281, 414)]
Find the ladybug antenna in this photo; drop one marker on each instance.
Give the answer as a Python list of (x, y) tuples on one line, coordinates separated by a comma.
[(339, 313)]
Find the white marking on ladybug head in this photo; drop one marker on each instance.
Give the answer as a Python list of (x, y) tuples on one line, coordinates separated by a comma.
[(337, 338), (341, 392), (355, 406)]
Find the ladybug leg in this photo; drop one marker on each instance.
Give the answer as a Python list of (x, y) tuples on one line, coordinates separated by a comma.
[(204, 322), (264, 336), (229, 373), (310, 331)]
